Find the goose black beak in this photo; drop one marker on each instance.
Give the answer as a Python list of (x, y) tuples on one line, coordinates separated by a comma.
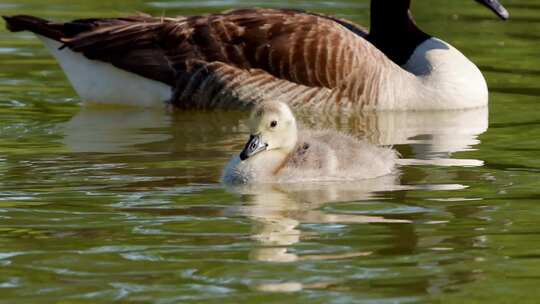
[(253, 146), (496, 7)]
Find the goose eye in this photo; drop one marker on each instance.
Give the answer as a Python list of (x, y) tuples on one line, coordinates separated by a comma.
[(273, 124)]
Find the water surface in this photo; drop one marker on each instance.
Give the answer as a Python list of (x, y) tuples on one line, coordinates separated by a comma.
[(114, 204)]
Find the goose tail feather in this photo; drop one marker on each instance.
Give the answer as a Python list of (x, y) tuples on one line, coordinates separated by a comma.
[(36, 25)]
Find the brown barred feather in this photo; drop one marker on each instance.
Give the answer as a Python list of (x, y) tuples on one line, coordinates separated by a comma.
[(236, 58)]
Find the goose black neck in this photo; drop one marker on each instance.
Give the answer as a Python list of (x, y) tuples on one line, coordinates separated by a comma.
[(393, 30)]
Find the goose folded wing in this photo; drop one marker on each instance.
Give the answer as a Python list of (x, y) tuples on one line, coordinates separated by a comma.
[(307, 49), (128, 43)]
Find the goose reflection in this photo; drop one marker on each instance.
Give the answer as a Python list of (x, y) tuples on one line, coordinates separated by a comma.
[(430, 135), (433, 136), (113, 130)]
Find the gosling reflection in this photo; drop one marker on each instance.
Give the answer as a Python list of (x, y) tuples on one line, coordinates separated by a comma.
[(279, 209)]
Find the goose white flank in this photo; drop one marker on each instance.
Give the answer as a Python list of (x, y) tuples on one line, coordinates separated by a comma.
[(277, 151), (240, 57)]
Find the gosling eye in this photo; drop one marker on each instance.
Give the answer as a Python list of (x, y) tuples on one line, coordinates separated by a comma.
[(273, 124)]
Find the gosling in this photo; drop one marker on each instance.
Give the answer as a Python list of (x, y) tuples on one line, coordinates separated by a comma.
[(277, 152)]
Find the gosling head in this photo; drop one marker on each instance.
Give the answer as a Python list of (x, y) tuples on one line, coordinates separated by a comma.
[(272, 128)]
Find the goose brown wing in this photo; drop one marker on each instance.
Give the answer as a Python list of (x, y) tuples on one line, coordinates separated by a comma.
[(307, 49), (127, 43)]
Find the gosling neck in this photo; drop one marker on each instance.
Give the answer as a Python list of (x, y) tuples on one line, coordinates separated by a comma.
[(277, 158), (289, 143)]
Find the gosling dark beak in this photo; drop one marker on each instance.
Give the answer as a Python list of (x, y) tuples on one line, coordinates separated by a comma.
[(253, 146), (496, 7)]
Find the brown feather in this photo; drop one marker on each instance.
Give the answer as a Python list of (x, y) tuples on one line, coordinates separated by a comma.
[(238, 57)]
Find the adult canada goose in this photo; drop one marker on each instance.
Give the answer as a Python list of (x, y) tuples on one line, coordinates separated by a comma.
[(240, 57), (278, 152)]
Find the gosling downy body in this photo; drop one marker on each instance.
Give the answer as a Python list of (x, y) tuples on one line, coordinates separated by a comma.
[(278, 152), (241, 57)]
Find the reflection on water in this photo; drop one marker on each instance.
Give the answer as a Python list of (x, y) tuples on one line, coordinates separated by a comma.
[(278, 210), (96, 129), (278, 214), (432, 135), (112, 130)]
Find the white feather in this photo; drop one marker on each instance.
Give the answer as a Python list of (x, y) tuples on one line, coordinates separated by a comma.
[(101, 82), (447, 79)]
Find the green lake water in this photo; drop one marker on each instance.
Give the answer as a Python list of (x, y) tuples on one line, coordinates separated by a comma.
[(101, 205)]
